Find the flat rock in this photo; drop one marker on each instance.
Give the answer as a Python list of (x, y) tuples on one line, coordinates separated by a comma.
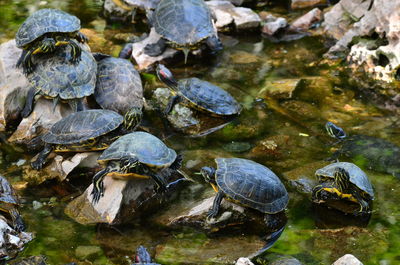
[(306, 21), (14, 85), (299, 4), (145, 61), (347, 259)]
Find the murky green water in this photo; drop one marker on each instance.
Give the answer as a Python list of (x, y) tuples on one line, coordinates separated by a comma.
[(295, 125)]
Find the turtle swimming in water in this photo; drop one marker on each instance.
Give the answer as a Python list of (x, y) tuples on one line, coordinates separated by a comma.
[(57, 79), (136, 155), (247, 183), (89, 130), (198, 94), (345, 181), (9, 204), (366, 151), (44, 31), (184, 25)]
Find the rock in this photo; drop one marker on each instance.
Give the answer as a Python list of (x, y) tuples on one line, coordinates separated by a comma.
[(39, 121), (11, 242), (88, 252), (145, 61), (14, 85), (32, 260), (226, 13), (347, 259), (306, 21), (299, 4), (122, 10), (244, 261), (281, 89), (273, 25), (276, 259), (97, 41), (242, 57)]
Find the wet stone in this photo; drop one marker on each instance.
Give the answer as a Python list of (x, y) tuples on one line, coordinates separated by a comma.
[(244, 261), (277, 259), (347, 259), (273, 25), (33, 260), (283, 88), (88, 252), (299, 4), (11, 242), (306, 21)]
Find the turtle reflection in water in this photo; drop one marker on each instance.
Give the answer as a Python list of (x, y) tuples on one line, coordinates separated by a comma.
[(9, 204), (136, 155), (247, 183), (343, 182), (366, 151)]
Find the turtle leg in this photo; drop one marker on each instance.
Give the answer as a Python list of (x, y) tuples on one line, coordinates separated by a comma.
[(98, 185), (364, 205), (76, 51), (76, 104), (81, 37), (126, 51), (25, 61), (213, 212), (41, 159), (133, 118), (177, 163), (155, 49), (171, 103), (214, 43), (160, 182), (30, 98), (46, 45), (18, 223)]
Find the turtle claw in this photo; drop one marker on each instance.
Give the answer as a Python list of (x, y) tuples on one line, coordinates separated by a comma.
[(97, 194), (37, 164)]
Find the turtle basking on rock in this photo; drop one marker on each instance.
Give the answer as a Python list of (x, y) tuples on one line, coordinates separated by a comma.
[(44, 31)]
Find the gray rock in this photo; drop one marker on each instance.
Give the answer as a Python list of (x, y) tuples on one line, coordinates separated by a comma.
[(272, 25), (14, 85), (11, 242), (347, 259), (305, 22), (298, 4), (244, 261)]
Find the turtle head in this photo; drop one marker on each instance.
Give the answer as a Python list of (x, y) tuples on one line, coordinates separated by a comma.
[(341, 178), (165, 75), (133, 118), (209, 174), (335, 131)]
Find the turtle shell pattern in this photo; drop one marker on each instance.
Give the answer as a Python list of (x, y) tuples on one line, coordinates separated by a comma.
[(357, 176), (45, 21), (208, 97), (251, 184), (118, 87), (146, 147), (83, 125), (183, 22), (56, 76), (7, 194)]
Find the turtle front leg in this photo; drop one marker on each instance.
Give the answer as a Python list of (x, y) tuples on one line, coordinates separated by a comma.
[(30, 98), (46, 45), (214, 44), (76, 51), (25, 60), (82, 38), (171, 103), (155, 49), (18, 223), (160, 182), (98, 185), (216, 205), (41, 159)]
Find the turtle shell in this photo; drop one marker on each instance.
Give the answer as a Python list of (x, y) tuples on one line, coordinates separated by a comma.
[(357, 176), (118, 87), (208, 97), (55, 76), (83, 125), (45, 21), (146, 147), (7, 194), (183, 22), (251, 184)]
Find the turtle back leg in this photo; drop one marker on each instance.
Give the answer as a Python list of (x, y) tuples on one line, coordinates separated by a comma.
[(214, 43), (18, 223), (30, 98), (171, 103), (155, 49), (216, 204), (41, 159)]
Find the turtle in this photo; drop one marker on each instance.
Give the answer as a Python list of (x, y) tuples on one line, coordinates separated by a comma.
[(136, 155), (247, 183), (57, 78), (143, 257), (119, 88), (88, 130), (345, 181), (44, 31), (184, 25), (198, 94), (9, 204), (366, 151)]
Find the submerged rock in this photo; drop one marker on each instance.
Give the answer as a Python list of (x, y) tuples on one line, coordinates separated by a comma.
[(347, 259), (282, 88), (11, 242), (14, 85)]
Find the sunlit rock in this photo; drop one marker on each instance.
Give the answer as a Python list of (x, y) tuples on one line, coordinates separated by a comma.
[(273, 25), (244, 261), (14, 85), (347, 259), (11, 242), (306, 21), (124, 10)]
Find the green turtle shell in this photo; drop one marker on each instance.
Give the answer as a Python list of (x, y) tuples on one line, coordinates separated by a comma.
[(357, 176), (45, 21), (7, 194), (183, 22), (208, 97), (146, 147), (251, 184), (118, 87), (82, 126), (55, 76)]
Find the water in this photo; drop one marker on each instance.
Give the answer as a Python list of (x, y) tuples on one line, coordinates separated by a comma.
[(294, 126)]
